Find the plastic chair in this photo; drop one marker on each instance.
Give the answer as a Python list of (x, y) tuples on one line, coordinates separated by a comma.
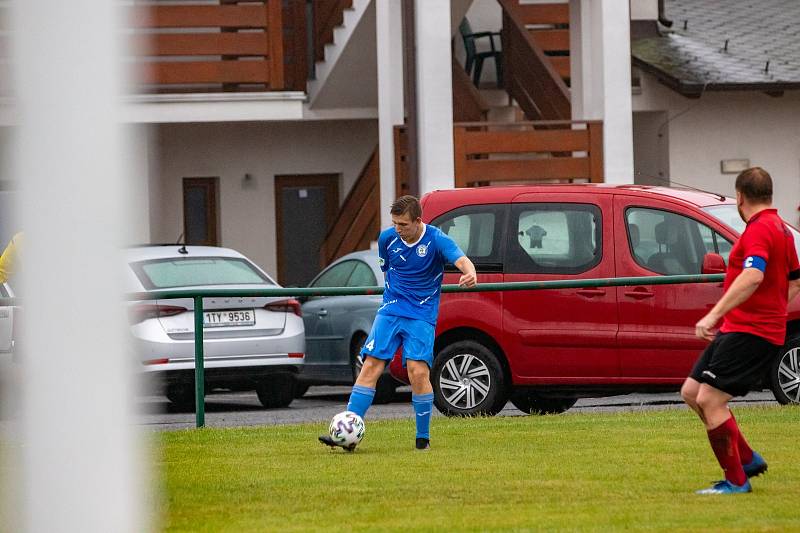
[(474, 58)]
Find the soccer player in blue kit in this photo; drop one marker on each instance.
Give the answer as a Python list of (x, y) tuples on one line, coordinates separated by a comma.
[(412, 257)]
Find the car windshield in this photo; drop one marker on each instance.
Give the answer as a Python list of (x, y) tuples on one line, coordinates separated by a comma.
[(198, 271), (728, 214)]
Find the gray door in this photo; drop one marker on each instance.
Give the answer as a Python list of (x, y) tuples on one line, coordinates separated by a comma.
[(306, 205)]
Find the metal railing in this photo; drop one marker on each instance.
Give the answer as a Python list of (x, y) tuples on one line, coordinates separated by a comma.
[(197, 296)]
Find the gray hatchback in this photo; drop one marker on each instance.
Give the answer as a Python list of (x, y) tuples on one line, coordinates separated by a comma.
[(337, 326)]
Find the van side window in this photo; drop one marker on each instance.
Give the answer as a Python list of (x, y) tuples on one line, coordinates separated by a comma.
[(554, 238), (671, 244), (477, 230)]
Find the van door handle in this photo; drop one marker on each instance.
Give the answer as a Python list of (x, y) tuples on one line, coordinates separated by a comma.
[(322, 312), (591, 293), (639, 293)]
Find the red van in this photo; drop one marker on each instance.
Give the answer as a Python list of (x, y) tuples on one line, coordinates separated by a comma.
[(544, 349)]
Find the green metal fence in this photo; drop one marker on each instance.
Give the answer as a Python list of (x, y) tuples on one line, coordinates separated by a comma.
[(197, 296)]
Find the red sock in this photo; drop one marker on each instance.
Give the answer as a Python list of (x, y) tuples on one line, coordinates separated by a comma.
[(745, 451), (723, 439)]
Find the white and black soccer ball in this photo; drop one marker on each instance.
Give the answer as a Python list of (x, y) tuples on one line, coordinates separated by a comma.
[(347, 429)]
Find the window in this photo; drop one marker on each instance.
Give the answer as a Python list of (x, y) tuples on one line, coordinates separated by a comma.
[(200, 214), (362, 276), (554, 238), (671, 244), (336, 276), (197, 271), (477, 230), (728, 214)]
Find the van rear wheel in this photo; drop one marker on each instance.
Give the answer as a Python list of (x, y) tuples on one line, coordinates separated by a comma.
[(534, 404), (784, 373)]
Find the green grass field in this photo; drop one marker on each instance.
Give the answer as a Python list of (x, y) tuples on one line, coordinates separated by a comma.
[(586, 472)]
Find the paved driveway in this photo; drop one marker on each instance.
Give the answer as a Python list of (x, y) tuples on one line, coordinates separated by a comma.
[(321, 403)]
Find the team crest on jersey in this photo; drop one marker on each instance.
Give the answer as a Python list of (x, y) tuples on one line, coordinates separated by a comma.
[(422, 250)]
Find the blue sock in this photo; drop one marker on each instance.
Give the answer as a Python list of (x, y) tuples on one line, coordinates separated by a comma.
[(423, 405), (360, 400)]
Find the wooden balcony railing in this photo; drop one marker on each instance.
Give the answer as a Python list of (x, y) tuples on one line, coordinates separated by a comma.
[(542, 151), (358, 221), (534, 78), (202, 47)]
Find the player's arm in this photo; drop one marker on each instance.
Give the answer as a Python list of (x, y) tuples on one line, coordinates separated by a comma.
[(740, 290), (794, 272), (794, 286), (468, 276)]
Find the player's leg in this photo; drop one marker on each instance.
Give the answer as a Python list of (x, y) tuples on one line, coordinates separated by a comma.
[(418, 337), (691, 386), (689, 392), (364, 389), (723, 435), (378, 349), (752, 462)]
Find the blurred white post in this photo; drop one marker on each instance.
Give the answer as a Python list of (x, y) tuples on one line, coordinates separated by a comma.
[(79, 446)]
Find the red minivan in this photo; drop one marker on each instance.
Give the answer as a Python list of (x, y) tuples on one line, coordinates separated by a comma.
[(544, 349)]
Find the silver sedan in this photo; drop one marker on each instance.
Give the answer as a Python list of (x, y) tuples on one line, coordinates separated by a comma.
[(250, 343)]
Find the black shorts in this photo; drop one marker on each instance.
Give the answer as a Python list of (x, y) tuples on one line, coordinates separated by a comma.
[(735, 363)]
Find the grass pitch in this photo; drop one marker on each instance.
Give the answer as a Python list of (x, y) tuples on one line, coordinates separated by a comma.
[(584, 472)]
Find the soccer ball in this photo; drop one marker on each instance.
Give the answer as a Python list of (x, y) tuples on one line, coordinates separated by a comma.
[(347, 429)]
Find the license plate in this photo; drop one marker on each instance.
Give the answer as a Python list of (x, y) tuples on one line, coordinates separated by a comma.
[(221, 319)]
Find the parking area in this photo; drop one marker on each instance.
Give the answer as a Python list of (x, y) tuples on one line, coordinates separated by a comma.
[(320, 403)]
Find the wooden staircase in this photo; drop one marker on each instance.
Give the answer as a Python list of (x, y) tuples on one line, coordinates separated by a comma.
[(547, 147), (536, 58), (328, 14), (358, 221)]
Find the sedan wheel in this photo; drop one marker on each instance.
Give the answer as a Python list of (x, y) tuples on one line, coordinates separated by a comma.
[(468, 380), (785, 374)]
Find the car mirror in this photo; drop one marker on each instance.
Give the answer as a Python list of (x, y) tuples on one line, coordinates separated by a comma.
[(713, 264)]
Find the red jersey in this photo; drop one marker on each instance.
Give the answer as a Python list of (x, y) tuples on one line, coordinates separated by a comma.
[(764, 313)]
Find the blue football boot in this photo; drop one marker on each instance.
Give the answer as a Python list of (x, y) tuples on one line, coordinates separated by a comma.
[(756, 467), (726, 487)]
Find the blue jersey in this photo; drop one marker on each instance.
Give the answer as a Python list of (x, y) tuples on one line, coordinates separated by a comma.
[(414, 272)]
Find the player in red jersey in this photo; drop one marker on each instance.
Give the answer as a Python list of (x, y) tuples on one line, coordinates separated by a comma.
[(763, 275)]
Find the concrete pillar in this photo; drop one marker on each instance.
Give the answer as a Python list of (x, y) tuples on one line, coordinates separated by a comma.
[(434, 95), (78, 452), (600, 52), (389, 37)]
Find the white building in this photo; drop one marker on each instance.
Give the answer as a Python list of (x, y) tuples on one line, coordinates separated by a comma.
[(237, 149)]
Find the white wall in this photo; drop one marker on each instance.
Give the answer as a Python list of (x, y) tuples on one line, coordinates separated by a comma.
[(263, 150), (730, 125)]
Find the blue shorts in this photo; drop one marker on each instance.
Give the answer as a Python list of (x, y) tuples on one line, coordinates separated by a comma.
[(389, 332)]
